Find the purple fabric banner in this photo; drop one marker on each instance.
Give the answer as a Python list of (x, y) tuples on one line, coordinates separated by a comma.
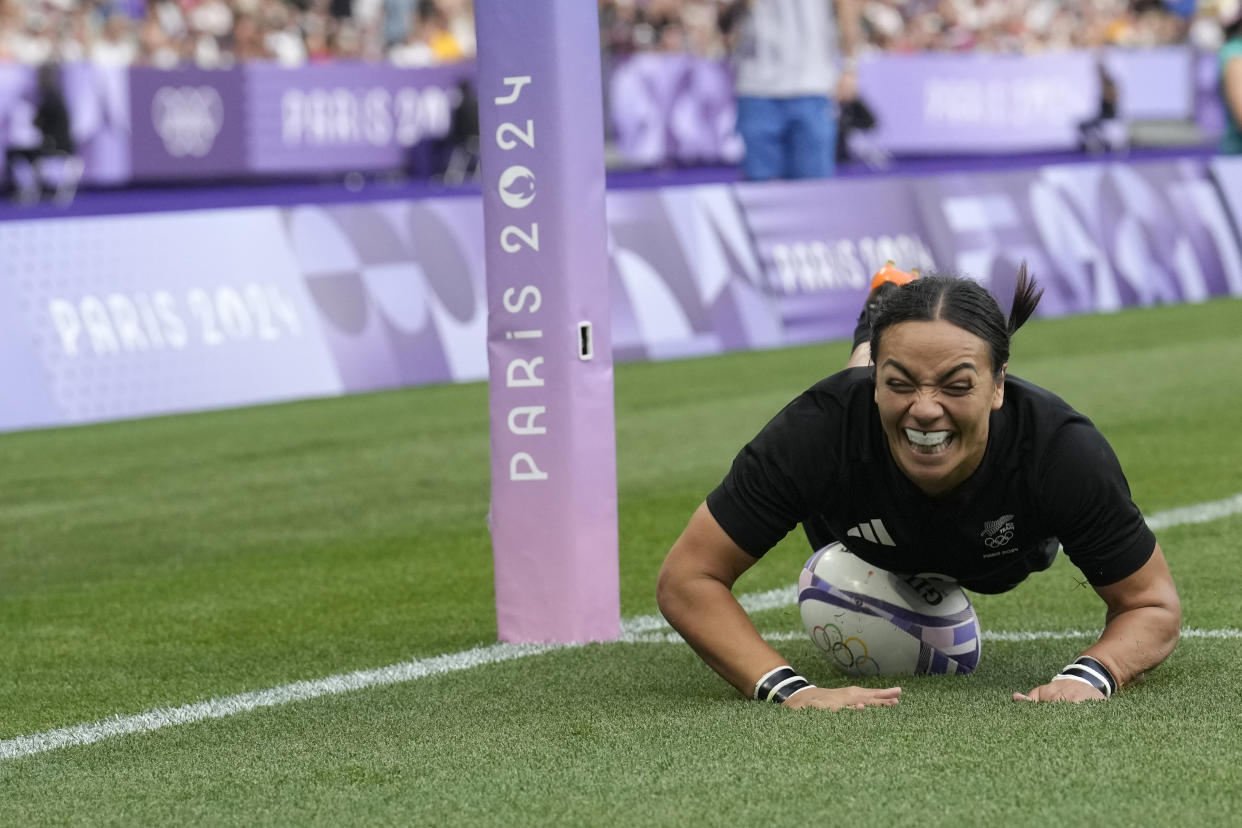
[(1099, 236), (1153, 83), (111, 317), (818, 258), (553, 512), (668, 109), (148, 314), (97, 99), (145, 124), (398, 288), (187, 123), (344, 117), (1209, 106), (686, 280), (980, 103), (673, 108)]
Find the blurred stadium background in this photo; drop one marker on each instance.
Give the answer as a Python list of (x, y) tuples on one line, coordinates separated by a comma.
[(278, 200), (312, 168)]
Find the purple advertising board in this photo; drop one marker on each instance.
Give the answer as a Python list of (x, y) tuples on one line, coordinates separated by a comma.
[(673, 108), (145, 124), (187, 123), (1153, 83), (397, 287), (345, 116), (1099, 236), (818, 249), (676, 109), (97, 99), (135, 315), (979, 102), (110, 317)]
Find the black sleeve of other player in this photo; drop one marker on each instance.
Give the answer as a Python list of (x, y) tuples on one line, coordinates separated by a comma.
[(1085, 496)]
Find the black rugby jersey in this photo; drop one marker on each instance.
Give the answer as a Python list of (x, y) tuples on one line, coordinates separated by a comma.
[(1047, 475)]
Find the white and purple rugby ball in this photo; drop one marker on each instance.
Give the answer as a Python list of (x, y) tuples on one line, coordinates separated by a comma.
[(871, 622)]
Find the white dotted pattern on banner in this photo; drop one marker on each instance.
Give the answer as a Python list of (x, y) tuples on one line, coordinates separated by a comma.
[(136, 315), (78, 297)]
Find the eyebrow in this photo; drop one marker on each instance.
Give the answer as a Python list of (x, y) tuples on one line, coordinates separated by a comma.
[(969, 366)]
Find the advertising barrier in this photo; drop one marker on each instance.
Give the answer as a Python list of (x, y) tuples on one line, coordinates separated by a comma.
[(345, 117), (979, 103), (102, 318), (673, 109), (255, 120), (262, 120), (137, 315)]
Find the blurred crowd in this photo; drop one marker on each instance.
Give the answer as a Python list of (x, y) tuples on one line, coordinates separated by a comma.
[(1009, 26), (212, 33)]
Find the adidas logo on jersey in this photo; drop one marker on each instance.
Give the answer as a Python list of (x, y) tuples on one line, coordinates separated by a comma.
[(872, 530)]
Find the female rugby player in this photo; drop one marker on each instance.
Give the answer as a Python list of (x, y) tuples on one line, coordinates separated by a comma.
[(973, 475)]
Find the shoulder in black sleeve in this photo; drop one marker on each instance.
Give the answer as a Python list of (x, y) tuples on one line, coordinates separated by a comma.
[(1085, 497), (789, 470)]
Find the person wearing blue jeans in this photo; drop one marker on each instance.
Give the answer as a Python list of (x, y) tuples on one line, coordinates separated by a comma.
[(785, 55), (787, 137)]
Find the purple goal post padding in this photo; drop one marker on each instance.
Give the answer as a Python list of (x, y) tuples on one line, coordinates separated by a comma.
[(553, 513)]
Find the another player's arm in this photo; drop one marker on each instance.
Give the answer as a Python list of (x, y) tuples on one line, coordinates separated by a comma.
[(694, 592), (1141, 628)]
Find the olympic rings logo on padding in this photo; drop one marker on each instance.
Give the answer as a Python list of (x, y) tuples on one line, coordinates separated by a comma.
[(1000, 540)]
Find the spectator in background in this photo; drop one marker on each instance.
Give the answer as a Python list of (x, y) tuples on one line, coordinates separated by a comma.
[(460, 15), (1229, 13), (316, 29), (282, 34), (1099, 134), (854, 116), (785, 54), (247, 41), (430, 40), (116, 45), (398, 15), (155, 46), (438, 34), (46, 134)]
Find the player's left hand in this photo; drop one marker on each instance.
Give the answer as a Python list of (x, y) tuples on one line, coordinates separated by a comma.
[(1061, 690)]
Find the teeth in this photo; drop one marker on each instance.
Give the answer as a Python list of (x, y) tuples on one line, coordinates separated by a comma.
[(926, 438)]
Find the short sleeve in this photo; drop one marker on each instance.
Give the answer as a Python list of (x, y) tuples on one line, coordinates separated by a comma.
[(1086, 499), (776, 478), (1231, 50)]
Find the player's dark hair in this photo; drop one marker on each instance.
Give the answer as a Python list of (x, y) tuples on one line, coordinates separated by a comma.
[(963, 302)]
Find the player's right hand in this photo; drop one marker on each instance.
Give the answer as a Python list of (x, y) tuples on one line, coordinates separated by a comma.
[(843, 698)]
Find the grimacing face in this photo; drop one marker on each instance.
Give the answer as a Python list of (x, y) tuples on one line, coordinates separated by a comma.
[(935, 390)]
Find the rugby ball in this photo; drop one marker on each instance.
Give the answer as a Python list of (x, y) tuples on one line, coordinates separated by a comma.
[(871, 622)]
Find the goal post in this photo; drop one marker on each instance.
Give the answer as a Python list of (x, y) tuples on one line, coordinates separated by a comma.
[(553, 514)]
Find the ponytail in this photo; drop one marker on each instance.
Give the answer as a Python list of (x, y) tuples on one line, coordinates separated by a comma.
[(1026, 296)]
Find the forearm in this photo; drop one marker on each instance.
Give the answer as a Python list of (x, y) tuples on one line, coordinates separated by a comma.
[(850, 25), (705, 613), (1136, 640)]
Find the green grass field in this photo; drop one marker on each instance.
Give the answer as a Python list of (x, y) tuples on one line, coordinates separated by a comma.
[(153, 564)]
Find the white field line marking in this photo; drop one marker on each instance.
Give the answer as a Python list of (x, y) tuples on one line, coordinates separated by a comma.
[(1199, 513), (671, 637), (640, 629), (85, 734)]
